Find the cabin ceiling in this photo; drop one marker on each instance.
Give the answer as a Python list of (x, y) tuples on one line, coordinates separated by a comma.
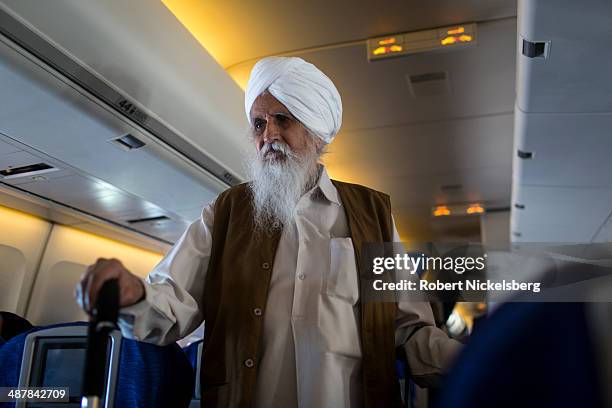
[(432, 148), (412, 148)]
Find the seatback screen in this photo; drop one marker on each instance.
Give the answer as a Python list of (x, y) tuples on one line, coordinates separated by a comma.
[(60, 362)]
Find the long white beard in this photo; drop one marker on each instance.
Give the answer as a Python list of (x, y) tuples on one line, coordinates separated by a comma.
[(278, 183)]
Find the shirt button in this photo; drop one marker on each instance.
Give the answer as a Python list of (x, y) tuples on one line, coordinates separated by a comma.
[(249, 363), (257, 311), (265, 265), (301, 276)]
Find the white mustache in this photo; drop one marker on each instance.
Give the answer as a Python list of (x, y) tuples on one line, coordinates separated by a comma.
[(280, 147)]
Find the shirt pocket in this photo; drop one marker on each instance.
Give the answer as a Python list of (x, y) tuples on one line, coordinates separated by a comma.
[(341, 280)]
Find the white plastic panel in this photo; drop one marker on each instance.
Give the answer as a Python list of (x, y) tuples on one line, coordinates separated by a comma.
[(166, 70), (605, 232), (7, 148), (54, 123), (576, 75), (563, 118), (568, 149), (52, 117), (27, 236), (12, 274), (53, 295), (560, 214), (66, 257)]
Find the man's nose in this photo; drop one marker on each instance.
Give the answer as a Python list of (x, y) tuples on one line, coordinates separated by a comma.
[(272, 131)]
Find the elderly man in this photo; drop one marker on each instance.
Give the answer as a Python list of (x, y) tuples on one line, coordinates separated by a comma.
[(271, 267)]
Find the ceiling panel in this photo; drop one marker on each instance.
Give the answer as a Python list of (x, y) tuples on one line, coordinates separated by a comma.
[(568, 149), (369, 156), (6, 148), (17, 159), (376, 94), (240, 30), (605, 232), (491, 186), (581, 209)]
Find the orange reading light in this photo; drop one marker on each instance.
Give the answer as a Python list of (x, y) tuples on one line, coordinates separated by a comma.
[(475, 209), (441, 210), (380, 51), (465, 38), (448, 40), (387, 41), (458, 30), (387, 50)]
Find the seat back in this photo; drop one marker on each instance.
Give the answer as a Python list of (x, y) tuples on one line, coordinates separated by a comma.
[(137, 375), (194, 354), (55, 356), (527, 355)]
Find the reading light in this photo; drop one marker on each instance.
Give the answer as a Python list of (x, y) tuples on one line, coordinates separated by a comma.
[(453, 40), (475, 209), (448, 40), (401, 44), (458, 30), (388, 50), (441, 210), (458, 210), (387, 41)]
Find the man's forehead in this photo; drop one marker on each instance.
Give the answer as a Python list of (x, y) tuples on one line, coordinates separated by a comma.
[(267, 103)]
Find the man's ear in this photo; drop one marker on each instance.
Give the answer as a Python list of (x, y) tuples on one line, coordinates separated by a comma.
[(320, 144)]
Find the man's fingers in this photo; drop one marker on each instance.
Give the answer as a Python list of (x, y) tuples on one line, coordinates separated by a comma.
[(82, 289), (131, 288), (97, 279)]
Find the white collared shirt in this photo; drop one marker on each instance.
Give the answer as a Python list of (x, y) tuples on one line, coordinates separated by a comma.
[(311, 349)]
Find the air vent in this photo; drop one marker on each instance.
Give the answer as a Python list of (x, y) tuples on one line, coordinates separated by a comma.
[(149, 219), (29, 170), (430, 83), (449, 188), (129, 142), (534, 49)]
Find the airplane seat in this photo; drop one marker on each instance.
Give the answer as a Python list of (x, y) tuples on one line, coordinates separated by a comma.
[(192, 352), (31, 359), (11, 353), (153, 376), (527, 355), (137, 374), (194, 355)]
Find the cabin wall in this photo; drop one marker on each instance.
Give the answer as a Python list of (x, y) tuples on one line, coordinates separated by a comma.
[(43, 261)]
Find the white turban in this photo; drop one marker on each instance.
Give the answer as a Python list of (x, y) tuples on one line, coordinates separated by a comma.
[(307, 92)]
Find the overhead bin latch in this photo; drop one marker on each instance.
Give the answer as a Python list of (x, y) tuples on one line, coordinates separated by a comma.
[(524, 155), (536, 49)]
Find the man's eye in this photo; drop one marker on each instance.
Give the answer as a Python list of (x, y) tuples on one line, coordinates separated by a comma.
[(259, 124)]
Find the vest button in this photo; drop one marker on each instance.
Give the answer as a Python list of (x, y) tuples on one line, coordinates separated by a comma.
[(257, 311), (265, 265), (249, 363), (301, 276)]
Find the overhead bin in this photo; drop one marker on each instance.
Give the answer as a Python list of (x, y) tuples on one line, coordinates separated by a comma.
[(562, 187), (140, 125)]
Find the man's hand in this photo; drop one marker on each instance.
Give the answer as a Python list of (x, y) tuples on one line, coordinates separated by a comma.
[(131, 288)]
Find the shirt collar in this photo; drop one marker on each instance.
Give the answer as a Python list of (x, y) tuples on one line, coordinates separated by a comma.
[(327, 187)]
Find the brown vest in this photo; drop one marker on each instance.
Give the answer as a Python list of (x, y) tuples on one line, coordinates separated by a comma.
[(236, 290)]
